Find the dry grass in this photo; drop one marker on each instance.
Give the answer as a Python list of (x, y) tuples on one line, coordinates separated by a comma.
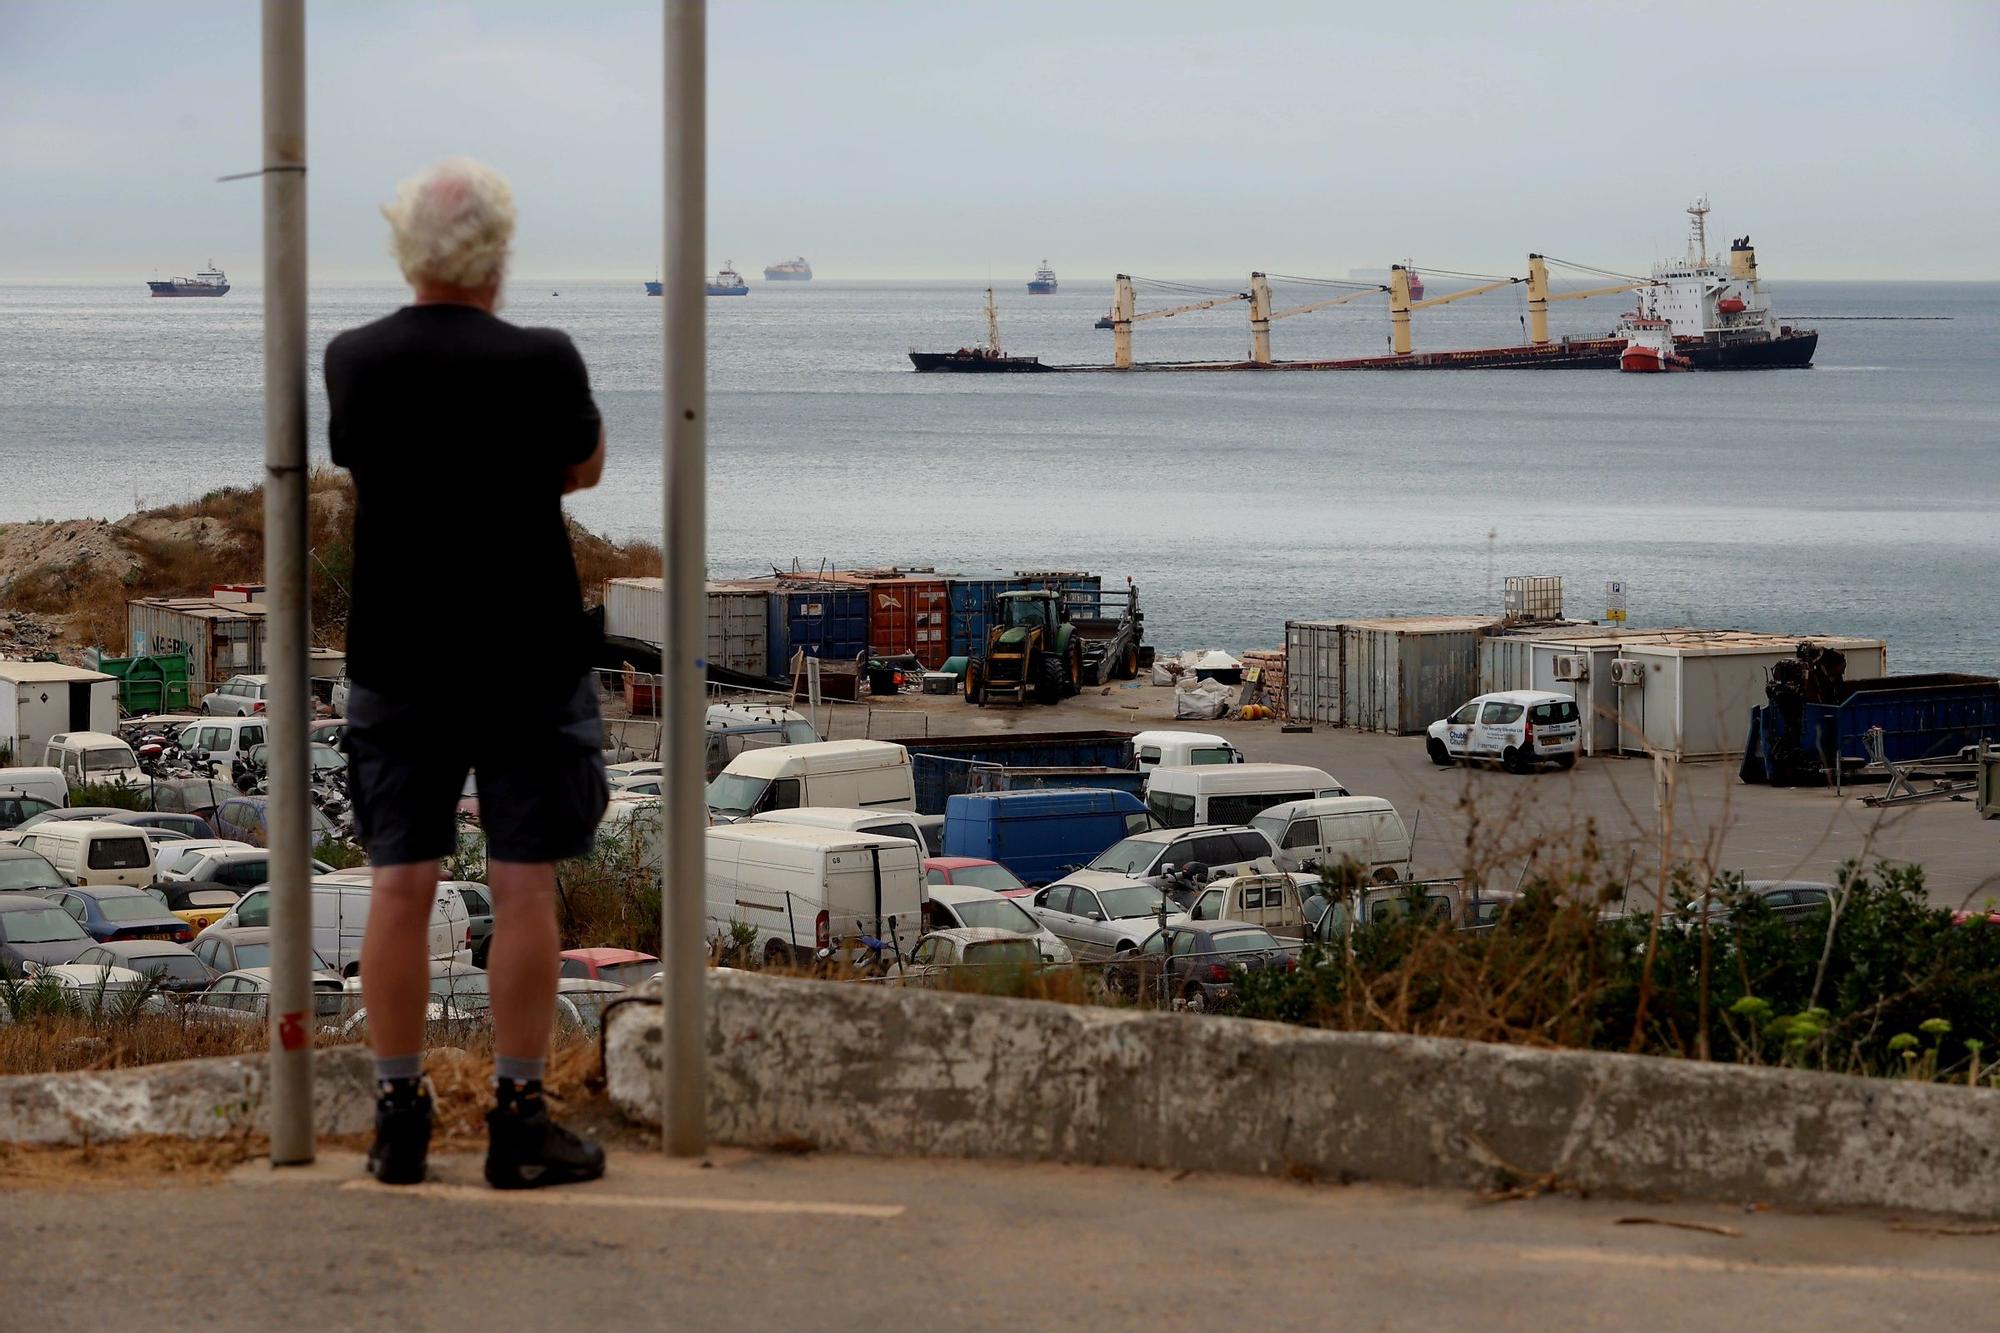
[(599, 558), (48, 1044)]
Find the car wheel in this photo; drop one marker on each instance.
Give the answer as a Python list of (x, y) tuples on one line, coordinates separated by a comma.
[(777, 954), (1566, 763), (1439, 755), (1114, 979), (1511, 760)]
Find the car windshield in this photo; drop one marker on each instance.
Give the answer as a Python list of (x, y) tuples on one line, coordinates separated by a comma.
[(172, 966), (1271, 826), (1553, 713), (107, 757), (325, 757), (628, 974), (1130, 857), (1211, 754), (800, 733), (139, 907), (999, 913), (1242, 941), (997, 878), (253, 955), (209, 898), (734, 794), (1002, 953), (28, 872), (460, 985), (1137, 901), (39, 925)]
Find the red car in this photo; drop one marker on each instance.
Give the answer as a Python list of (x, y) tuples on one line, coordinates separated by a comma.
[(974, 873), (626, 967)]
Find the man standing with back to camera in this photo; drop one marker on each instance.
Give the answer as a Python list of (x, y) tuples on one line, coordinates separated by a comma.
[(467, 650)]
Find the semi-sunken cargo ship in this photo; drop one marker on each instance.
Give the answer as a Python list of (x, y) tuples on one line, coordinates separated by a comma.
[(209, 282), (792, 270), (987, 360)]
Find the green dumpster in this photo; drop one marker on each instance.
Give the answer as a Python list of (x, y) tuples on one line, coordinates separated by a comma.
[(149, 684)]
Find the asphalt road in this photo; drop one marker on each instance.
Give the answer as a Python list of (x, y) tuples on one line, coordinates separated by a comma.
[(761, 1241), (1763, 832)]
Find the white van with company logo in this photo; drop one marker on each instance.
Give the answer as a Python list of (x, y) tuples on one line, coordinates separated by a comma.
[(1363, 829), (847, 775), (1186, 795), (1520, 729), (89, 854)]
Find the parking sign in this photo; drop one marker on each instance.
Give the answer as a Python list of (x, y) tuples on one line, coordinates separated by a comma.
[(1614, 602)]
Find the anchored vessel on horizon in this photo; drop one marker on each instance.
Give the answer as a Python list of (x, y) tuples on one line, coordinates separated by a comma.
[(1044, 281), (792, 270), (209, 282)]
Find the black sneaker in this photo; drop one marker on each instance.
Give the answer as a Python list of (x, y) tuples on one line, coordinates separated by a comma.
[(527, 1150), (402, 1136)]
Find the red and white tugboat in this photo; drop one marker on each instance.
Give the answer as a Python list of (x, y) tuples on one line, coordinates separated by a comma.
[(1649, 345)]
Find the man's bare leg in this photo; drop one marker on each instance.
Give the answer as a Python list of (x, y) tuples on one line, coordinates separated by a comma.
[(523, 962), (395, 987)]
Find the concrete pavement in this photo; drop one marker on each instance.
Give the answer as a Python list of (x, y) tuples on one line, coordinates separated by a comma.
[(772, 1241), (1764, 832)]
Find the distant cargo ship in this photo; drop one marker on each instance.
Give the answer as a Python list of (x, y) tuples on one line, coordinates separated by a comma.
[(209, 282), (1044, 281), (792, 270), (1382, 275), (655, 288), (728, 282)]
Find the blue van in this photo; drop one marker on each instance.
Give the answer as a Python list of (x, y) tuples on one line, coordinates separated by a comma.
[(1041, 834)]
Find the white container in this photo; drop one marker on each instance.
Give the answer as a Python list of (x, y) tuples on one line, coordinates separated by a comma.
[(738, 621), (1313, 672), (1402, 674), (43, 699)]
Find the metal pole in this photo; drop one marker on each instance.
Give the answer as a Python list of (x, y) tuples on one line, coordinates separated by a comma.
[(284, 166), (683, 1027)]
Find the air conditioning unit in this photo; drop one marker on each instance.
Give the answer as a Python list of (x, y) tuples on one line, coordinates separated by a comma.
[(1627, 671), (1572, 666)]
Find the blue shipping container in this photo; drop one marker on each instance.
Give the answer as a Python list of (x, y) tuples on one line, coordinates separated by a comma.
[(972, 610), (828, 621), (1921, 717), (1040, 835)]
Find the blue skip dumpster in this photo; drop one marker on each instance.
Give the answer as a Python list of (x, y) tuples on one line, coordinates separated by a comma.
[(1918, 717), (1040, 835), (943, 766)]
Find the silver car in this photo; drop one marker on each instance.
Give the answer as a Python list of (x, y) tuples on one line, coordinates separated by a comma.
[(239, 696), (1101, 921)]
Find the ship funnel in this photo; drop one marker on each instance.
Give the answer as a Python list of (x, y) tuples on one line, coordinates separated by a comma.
[(1743, 259)]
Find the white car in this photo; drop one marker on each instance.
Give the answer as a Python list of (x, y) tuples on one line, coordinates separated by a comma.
[(1232, 848), (244, 996), (961, 905), (239, 696), (170, 862), (1521, 729)]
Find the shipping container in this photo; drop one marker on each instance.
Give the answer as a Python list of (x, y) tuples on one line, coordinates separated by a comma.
[(943, 765), (827, 620), (1402, 674), (972, 610), (738, 636), (1313, 672), (43, 699), (1086, 587), (219, 639), (910, 616)]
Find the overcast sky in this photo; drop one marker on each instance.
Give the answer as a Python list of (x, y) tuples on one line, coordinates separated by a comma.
[(936, 139)]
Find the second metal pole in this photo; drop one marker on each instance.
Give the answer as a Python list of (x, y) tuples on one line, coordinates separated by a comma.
[(291, 1018), (683, 1027)]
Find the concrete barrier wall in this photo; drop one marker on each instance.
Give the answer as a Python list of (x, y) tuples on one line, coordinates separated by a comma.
[(891, 1072), (195, 1099)]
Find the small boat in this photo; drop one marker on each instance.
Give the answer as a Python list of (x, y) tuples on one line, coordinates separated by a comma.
[(655, 287), (987, 360), (728, 282), (1649, 345), (1044, 281)]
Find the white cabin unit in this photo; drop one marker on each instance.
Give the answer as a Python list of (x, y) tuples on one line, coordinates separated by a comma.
[(43, 699), (1681, 693)]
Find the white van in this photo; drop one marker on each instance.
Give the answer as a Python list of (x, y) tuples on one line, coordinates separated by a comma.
[(1366, 829), (847, 775), (1177, 749), (89, 853), (898, 825), (797, 728), (47, 784), (1189, 794), (802, 888), (340, 916), (223, 739), (92, 756)]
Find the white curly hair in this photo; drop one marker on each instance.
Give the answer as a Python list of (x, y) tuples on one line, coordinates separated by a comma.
[(452, 224)]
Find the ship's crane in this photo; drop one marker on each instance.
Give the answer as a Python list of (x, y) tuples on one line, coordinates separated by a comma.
[(1124, 314), (1539, 295), (1261, 313), (1400, 304)]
